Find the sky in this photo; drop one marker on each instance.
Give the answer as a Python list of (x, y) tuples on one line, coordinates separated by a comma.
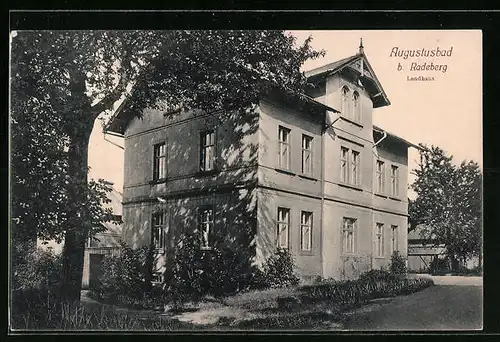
[(446, 112)]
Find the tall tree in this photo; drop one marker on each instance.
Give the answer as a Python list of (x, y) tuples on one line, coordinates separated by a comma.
[(448, 203), (81, 75)]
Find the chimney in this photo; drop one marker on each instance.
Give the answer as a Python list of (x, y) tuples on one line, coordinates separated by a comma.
[(361, 50)]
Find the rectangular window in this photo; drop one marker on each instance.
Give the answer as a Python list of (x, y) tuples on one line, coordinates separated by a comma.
[(306, 230), (159, 162), (283, 227), (344, 164), (306, 154), (349, 166), (394, 180), (394, 239), (206, 223), (379, 239), (284, 147), (380, 176), (348, 235), (158, 225), (207, 151), (355, 168)]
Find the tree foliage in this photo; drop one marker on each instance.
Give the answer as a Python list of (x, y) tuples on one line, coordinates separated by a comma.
[(70, 78), (448, 203)]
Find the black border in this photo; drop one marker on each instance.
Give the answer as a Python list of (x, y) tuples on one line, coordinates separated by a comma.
[(487, 21)]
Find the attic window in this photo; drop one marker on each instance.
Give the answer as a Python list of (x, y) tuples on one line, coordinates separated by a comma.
[(345, 101)]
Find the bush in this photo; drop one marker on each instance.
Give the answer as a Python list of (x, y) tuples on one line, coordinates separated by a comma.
[(372, 284), (128, 274), (195, 273), (279, 270), (398, 264), (439, 266), (35, 286), (222, 271)]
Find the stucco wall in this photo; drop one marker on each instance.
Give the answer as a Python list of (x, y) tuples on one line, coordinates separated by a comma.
[(273, 115), (308, 262), (236, 147)]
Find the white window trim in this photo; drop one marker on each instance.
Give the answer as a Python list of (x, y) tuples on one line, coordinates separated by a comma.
[(380, 176), (305, 151), (279, 224), (204, 148), (394, 180), (394, 238), (158, 241), (281, 144), (202, 224), (379, 236), (344, 229), (350, 178), (161, 173), (304, 225)]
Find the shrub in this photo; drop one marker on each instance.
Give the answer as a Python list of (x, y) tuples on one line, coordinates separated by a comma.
[(279, 270), (398, 264), (218, 271), (372, 284), (128, 274), (373, 275), (35, 286), (222, 271)]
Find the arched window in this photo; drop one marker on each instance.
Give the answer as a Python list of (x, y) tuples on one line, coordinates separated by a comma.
[(345, 102), (356, 107)]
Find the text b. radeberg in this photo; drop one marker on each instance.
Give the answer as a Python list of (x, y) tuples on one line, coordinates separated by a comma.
[(428, 67)]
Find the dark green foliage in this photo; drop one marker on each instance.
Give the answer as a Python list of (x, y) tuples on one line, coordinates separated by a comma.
[(128, 274), (398, 264)]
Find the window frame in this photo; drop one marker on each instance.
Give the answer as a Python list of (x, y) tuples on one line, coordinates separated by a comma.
[(355, 167), (158, 170), (158, 227), (380, 173), (307, 151), (394, 238), (345, 109), (204, 147), (344, 165), (279, 224), (350, 167), (349, 225), (281, 144), (202, 224), (394, 180), (356, 107), (304, 224), (379, 240)]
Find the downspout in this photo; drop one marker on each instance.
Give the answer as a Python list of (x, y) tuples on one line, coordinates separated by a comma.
[(383, 137), (373, 196), (322, 175)]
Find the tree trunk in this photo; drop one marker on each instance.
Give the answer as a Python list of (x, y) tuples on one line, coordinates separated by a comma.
[(79, 221)]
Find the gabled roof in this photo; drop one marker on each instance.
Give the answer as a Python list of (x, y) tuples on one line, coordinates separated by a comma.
[(366, 76), (331, 67)]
